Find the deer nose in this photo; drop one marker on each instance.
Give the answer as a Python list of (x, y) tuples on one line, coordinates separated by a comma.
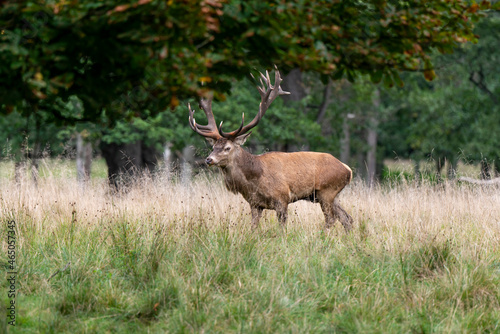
[(209, 161)]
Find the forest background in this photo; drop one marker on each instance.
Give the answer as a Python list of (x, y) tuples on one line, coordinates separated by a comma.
[(370, 81)]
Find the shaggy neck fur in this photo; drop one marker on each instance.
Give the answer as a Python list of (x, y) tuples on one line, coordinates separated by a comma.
[(242, 173)]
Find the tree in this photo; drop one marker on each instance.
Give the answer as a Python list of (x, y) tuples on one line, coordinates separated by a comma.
[(131, 61)]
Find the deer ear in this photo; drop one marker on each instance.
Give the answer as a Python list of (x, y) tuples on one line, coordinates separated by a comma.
[(240, 140), (211, 141)]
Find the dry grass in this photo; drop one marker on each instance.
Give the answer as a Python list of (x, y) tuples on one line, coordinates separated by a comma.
[(171, 257)]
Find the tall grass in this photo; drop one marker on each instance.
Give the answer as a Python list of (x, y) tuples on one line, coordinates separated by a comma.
[(171, 257)]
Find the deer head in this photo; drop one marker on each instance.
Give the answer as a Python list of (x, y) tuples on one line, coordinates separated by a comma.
[(226, 144)]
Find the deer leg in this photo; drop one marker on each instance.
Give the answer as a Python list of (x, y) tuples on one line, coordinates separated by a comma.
[(256, 215), (282, 212), (328, 212), (342, 215)]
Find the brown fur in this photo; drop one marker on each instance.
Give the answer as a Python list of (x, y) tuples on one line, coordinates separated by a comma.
[(273, 180)]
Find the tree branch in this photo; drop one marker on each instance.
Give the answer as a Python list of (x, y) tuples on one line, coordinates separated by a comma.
[(479, 82), (327, 92)]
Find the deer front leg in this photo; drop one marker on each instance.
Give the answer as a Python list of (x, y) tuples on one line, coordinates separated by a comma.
[(256, 215)]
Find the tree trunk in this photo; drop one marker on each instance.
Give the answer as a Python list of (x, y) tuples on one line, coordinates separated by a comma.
[(485, 170), (371, 155), (416, 170), (188, 154), (361, 164), (83, 159), (292, 83), (440, 162), (36, 153), (452, 169), (167, 159), (149, 157), (327, 92), (371, 138), (126, 162), (345, 143)]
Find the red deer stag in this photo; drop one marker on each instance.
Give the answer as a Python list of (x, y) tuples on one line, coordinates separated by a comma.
[(275, 179)]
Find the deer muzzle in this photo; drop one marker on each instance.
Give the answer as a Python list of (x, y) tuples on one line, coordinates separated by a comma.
[(209, 161)]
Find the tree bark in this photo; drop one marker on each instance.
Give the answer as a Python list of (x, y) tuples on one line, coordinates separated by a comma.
[(416, 170), (292, 83), (371, 138), (83, 159), (485, 170), (439, 167), (188, 154), (452, 169), (345, 143), (36, 152), (327, 92), (126, 162)]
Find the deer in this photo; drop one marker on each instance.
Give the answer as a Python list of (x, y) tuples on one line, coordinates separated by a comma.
[(273, 180)]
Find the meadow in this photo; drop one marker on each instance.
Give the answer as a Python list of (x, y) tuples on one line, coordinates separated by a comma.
[(182, 258)]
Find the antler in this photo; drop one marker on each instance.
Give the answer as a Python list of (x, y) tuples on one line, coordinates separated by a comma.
[(209, 130), (268, 94)]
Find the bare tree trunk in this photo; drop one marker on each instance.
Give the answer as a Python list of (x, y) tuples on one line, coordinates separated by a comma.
[(439, 168), (361, 164), (327, 92), (83, 159), (167, 160), (36, 153), (371, 138), (485, 170), (124, 163), (345, 143), (188, 153), (452, 169), (371, 155), (416, 170), (292, 83)]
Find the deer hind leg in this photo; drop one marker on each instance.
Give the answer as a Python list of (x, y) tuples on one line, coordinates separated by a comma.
[(340, 214), (333, 211), (256, 215)]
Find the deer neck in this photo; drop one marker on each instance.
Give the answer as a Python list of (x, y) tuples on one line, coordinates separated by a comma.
[(243, 172)]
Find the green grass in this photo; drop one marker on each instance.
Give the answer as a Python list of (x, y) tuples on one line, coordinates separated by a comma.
[(55, 168), (172, 258)]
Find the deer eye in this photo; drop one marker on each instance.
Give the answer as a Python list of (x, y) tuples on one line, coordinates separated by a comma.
[(227, 149)]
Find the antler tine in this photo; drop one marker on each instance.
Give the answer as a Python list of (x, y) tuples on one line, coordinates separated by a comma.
[(209, 130), (268, 93)]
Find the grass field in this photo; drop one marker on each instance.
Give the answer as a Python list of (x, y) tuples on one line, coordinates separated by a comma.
[(167, 257)]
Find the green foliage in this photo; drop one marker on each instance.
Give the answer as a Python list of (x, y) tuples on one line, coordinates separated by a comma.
[(153, 131), (282, 125), (164, 51), (97, 65)]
